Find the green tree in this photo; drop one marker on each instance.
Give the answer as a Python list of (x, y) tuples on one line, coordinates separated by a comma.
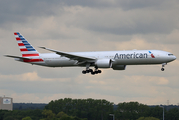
[(27, 118), (66, 118), (9, 118), (148, 118), (49, 114), (82, 108), (61, 114), (20, 114), (172, 114), (156, 112), (131, 110), (2, 114)]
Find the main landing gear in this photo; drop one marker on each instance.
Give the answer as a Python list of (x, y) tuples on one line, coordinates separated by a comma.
[(93, 72), (163, 65)]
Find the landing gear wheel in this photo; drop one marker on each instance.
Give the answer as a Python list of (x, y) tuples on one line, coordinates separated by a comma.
[(87, 71), (99, 71), (84, 71), (90, 70), (162, 69), (96, 72), (92, 73)]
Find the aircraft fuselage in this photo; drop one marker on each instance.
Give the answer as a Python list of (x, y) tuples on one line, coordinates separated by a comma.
[(133, 57)]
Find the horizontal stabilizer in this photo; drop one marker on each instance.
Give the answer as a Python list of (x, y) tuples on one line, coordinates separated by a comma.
[(17, 57)]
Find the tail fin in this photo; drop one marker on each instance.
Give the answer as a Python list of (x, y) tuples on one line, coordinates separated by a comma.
[(25, 47)]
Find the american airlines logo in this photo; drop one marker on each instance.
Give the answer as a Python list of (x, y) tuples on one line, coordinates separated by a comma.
[(133, 56), (130, 56), (152, 55)]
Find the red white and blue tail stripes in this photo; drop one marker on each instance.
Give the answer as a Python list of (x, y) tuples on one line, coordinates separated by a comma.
[(25, 47)]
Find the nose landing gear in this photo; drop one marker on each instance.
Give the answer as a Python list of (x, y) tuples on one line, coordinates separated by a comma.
[(163, 65)]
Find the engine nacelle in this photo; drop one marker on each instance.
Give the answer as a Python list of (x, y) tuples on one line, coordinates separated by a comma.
[(104, 63), (119, 67)]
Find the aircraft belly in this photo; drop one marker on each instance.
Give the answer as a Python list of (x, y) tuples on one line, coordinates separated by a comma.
[(60, 63), (138, 61)]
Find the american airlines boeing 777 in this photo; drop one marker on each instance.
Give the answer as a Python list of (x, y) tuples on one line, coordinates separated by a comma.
[(117, 60)]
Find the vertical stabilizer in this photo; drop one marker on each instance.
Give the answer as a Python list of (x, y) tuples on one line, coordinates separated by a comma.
[(26, 48)]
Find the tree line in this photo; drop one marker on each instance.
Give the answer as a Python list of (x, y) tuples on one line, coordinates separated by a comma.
[(24, 106), (91, 109)]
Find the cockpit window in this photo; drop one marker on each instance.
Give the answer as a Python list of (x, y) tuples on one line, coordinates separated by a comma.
[(170, 54)]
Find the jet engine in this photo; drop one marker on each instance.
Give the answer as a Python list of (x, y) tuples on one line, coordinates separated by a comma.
[(104, 63), (119, 67)]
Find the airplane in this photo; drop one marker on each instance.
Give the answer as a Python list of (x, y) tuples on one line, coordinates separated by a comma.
[(117, 60)]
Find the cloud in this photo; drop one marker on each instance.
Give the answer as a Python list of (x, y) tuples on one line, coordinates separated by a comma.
[(23, 77), (94, 25), (114, 19), (173, 37)]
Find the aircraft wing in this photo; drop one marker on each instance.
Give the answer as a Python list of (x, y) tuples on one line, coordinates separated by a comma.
[(17, 57), (72, 56)]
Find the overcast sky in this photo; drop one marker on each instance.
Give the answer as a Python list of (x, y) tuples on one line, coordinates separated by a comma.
[(90, 25)]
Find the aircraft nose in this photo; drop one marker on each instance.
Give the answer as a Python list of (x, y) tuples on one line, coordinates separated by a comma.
[(174, 57)]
